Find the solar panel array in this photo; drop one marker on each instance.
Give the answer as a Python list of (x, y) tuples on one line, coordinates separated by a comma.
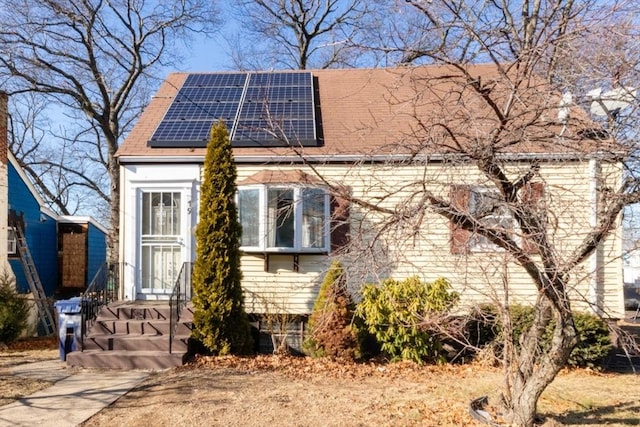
[(259, 109)]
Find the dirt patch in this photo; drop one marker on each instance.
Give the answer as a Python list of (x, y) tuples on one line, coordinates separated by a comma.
[(287, 391), (18, 353), (280, 391)]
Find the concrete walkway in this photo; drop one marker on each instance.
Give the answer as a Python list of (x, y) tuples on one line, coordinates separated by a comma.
[(74, 398)]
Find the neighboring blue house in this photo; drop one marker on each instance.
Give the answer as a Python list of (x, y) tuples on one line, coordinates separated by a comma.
[(82, 245), (67, 251)]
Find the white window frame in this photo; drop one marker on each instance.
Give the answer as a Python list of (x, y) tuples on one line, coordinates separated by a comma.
[(263, 215), (12, 243), (478, 243)]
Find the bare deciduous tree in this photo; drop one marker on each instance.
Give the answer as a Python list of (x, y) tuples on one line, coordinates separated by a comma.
[(96, 60), (501, 134), (61, 168), (299, 34)]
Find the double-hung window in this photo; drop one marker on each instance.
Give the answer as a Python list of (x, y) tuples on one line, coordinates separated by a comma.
[(280, 218), (489, 208), (12, 241)]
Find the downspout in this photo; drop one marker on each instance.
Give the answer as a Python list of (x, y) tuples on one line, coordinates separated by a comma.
[(595, 173), (124, 229)]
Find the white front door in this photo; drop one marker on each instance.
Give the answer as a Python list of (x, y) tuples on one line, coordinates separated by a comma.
[(162, 246)]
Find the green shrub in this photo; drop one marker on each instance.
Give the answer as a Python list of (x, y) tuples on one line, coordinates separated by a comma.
[(397, 312), (594, 342), (332, 331), (483, 326), (13, 312)]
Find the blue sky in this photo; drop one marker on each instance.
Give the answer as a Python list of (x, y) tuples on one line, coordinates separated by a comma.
[(208, 55), (211, 53)]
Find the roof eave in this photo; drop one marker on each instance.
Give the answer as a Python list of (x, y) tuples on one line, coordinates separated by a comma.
[(380, 158)]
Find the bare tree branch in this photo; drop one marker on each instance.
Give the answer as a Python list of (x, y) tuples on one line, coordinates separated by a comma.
[(97, 58)]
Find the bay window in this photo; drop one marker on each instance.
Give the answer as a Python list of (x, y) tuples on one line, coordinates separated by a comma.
[(277, 218)]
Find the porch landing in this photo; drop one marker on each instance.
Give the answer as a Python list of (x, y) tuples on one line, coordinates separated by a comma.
[(135, 335)]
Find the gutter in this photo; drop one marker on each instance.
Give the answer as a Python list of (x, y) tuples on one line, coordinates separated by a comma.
[(380, 158)]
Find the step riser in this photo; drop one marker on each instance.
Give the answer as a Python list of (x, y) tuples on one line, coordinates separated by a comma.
[(124, 360), (141, 313), (134, 336), (128, 343), (137, 327)]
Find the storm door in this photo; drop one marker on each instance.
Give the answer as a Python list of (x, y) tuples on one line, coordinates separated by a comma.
[(161, 241)]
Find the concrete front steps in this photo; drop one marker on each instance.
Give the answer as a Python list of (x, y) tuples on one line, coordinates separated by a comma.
[(134, 336)]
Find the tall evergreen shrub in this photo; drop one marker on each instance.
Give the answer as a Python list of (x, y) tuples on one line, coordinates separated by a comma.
[(220, 321)]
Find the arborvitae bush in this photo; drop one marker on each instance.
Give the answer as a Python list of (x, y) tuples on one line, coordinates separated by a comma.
[(220, 322), (594, 341), (397, 313), (13, 311), (332, 332)]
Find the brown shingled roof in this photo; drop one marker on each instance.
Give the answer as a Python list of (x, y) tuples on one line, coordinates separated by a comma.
[(396, 110)]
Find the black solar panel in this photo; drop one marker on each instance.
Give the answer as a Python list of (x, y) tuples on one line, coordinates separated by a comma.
[(187, 133), (190, 111), (209, 94), (277, 110), (280, 79), (216, 80), (269, 133), (260, 109), (284, 93)]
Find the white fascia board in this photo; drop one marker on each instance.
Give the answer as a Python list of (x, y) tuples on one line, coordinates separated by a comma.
[(80, 219), (349, 158)]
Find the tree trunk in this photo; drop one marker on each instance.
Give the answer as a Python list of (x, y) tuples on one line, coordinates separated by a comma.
[(538, 365), (113, 168)]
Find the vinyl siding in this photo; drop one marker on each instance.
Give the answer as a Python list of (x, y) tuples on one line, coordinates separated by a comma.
[(418, 246), (421, 247), (97, 251), (40, 234)]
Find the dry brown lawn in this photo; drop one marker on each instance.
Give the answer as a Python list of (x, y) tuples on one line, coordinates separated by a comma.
[(285, 391), (25, 351)]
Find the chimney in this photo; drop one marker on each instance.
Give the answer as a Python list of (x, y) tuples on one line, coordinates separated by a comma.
[(4, 129)]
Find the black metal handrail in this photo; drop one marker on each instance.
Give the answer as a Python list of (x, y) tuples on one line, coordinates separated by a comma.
[(102, 290), (179, 296)]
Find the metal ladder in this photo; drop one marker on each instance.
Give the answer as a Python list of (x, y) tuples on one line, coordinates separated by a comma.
[(44, 311)]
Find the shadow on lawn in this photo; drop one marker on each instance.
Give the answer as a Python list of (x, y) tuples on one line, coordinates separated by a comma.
[(624, 414)]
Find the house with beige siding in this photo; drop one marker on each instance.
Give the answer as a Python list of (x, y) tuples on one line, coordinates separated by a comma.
[(335, 164)]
